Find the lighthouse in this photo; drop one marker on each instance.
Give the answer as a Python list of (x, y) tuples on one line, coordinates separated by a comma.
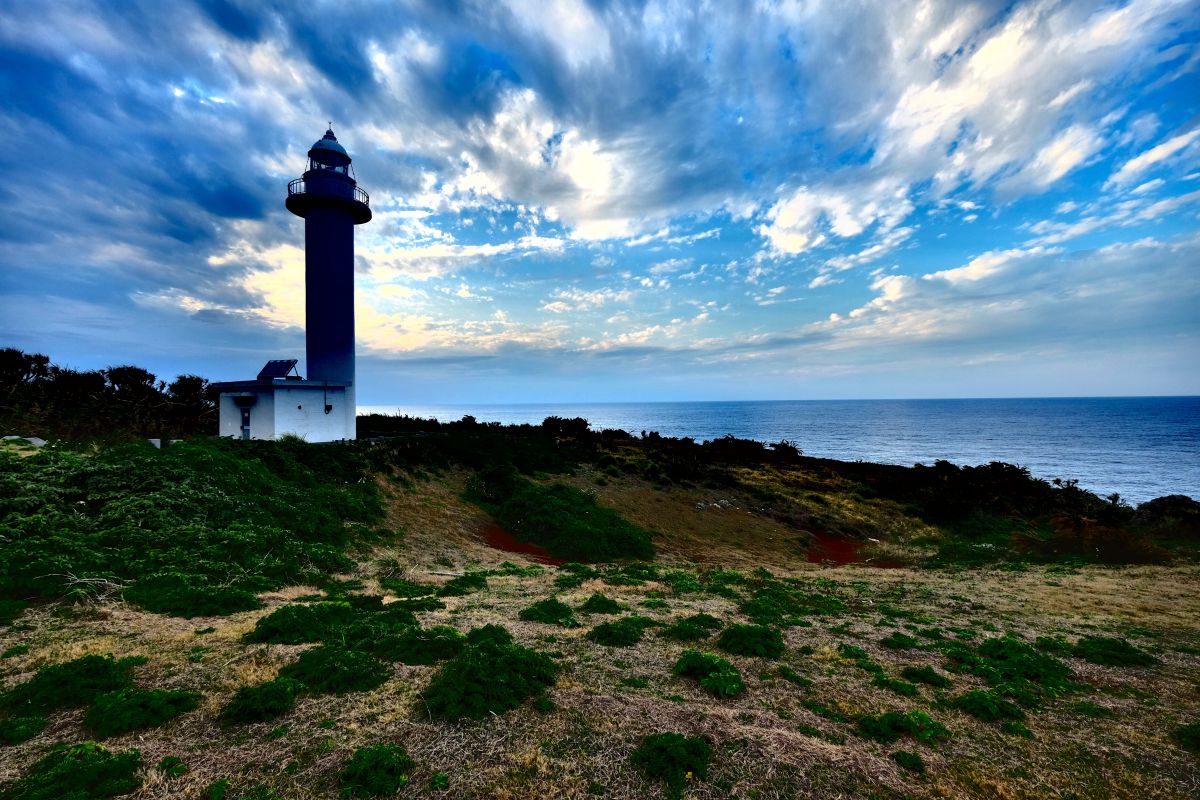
[(319, 407)]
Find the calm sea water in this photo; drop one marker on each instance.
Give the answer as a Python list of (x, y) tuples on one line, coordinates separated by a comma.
[(1140, 447)]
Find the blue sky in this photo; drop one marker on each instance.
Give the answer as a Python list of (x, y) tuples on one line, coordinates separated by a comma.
[(593, 201)]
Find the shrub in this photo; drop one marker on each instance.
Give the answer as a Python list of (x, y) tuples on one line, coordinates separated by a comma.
[(890, 726), (715, 674), (898, 686), (10, 610), (1052, 644), (1111, 652), (926, 675), (910, 761), (624, 632), (488, 678), (329, 669), (899, 641), (378, 770), (463, 584), (71, 684), (777, 603), (551, 611), (600, 604), (172, 766), (15, 730), (423, 645), (988, 706), (751, 640), (496, 634), (403, 588), (1187, 736), (298, 623), (1014, 728), (790, 675), (187, 595), (673, 758), (80, 771), (125, 710), (260, 703)]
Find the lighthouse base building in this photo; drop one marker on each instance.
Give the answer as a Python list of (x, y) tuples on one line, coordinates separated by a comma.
[(275, 405)]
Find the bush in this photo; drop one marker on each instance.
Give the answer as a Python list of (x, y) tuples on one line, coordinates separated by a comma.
[(751, 640), (1111, 652), (673, 758), (378, 770), (10, 610), (600, 604), (125, 710), (329, 669), (71, 684), (463, 584), (488, 678), (899, 641), (496, 634), (910, 761), (551, 611), (888, 727), (894, 685), (624, 632), (1187, 736), (691, 629), (791, 676), (988, 706), (405, 589), (15, 730), (419, 646), (183, 595), (81, 771), (299, 623), (715, 674), (926, 675), (260, 703), (777, 603), (172, 766)]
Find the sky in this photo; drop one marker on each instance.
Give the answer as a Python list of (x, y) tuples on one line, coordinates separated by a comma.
[(595, 201)]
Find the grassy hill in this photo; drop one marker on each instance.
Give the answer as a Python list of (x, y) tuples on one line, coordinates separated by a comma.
[(692, 620)]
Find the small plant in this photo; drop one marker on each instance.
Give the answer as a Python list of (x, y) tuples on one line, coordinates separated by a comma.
[(260, 703), (439, 781), (552, 611), (464, 584), (900, 687), (15, 650), (71, 684), (910, 761), (378, 770), (125, 710), (423, 645), (790, 675), (172, 766), (686, 630), (890, 726), (988, 706), (1089, 709), (329, 669), (1111, 652), (715, 674), (674, 759), (488, 678), (83, 771), (15, 730), (1187, 736), (635, 682), (624, 632), (926, 675), (751, 640), (600, 604), (1014, 728), (298, 623), (1052, 644), (899, 641)]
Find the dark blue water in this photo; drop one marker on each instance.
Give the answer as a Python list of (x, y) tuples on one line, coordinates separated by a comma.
[(1139, 447)]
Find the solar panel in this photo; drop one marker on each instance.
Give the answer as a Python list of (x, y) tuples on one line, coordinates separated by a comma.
[(277, 368)]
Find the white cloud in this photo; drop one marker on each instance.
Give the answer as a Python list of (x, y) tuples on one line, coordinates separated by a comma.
[(1143, 161), (807, 218)]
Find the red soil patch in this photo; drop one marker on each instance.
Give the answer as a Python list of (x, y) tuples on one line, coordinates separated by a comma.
[(501, 539), (841, 551)]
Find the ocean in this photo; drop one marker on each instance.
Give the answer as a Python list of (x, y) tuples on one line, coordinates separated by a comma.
[(1138, 447)]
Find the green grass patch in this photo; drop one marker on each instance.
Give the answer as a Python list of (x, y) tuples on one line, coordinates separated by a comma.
[(419, 646), (551, 611), (405, 589), (83, 771), (330, 669), (71, 684), (14, 730), (926, 675), (1187, 736), (751, 640), (125, 710), (903, 688), (888, 727), (10, 610), (909, 761), (298, 623), (601, 604), (1111, 652), (624, 632), (488, 678), (791, 676), (260, 703), (987, 706), (674, 759), (463, 585), (378, 770), (899, 641), (715, 675), (691, 629)]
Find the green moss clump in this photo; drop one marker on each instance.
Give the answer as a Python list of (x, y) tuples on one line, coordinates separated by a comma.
[(926, 675), (751, 640), (172, 766), (463, 585), (496, 634), (71, 684), (15, 730), (378, 770), (890, 726), (298, 623), (1014, 659), (83, 771), (988, 706), (600, 604), (1111, 652), (260, 703), (551, 611), (899, 641), (1187, 736), (687, 630), (488, 678), (674, 759), (125, 710), (624, 632), (715, 674), (330, 669), (420, 646)]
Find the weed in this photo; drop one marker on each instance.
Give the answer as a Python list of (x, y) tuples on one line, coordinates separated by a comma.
[(899, 641), (682, 582), (378, 770), (987, 706), (790, 675), (1052, 644), (422, 645), (1187, 736), (715, 674), (330, 669), (635, 683), (125, 710), (600, 604), (463, 584), (172, 766), (890, 726), (439, 781), (824, 711), (751, 640), (551, 611), (910, 761), (298, 623), (71, 684), (15, 730), (674, 759), (82, 771), (488, 678), (260, 703), (1111, 652), (926, 675), (624, 632)]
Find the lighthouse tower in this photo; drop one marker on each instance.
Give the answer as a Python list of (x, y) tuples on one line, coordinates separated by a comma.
[(321, 407)]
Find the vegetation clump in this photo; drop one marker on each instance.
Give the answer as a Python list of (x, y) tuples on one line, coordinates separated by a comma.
[(488, 678), (600, 604), (10, 610), (624, 632), (71, 684), (899, 641), (298, 623), (715, 674), (83, 771), (1111, 652), (260, 703), (1187, 736), (330, 669), (691, 629), (674, 759), (751, 640), (125, 710), (896, 685), (988, 706), (420, 646), (551, 611), (777, 603), (496, 634), (910, 761), (463, 584), (378, 770), (14, 730), (927, 675), (888, 727), (791, 676)]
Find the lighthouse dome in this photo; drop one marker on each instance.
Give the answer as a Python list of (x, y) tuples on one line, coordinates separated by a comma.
[(327, 153)]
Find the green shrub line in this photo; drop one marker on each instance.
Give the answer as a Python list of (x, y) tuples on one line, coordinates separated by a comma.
[(71, 684)]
